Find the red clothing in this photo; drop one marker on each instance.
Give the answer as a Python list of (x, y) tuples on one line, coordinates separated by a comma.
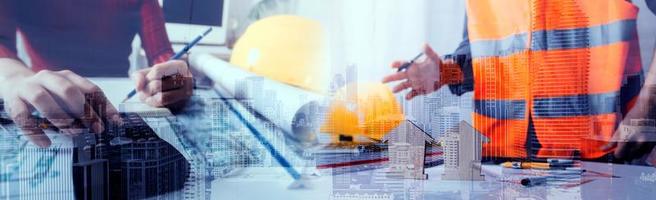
[(89, 37)]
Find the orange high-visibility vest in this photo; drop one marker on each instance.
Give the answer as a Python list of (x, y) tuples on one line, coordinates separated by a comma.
[(560, 62)]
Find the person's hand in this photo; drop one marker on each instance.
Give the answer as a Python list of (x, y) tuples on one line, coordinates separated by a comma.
[(632, 142), (634, 138), (422, 77), (166, 84), (65, 99)]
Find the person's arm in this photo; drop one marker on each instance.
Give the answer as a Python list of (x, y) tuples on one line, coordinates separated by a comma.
[(154, 39), (638, 102), (634, 145), (152, 86), (463, 59), (63, 98)]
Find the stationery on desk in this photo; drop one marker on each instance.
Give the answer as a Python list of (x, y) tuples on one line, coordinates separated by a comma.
[(558, 170), (550, 164)]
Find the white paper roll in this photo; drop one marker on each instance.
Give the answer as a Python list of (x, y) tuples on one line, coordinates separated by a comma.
[(293, 109)]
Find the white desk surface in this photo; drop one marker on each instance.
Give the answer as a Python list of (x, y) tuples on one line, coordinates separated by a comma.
[(116, 88), (635, 182)]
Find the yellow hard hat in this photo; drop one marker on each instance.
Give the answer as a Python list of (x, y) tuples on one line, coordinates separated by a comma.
[(367, 109), (285, 48)]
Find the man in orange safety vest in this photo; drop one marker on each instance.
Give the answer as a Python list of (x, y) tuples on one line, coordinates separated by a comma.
[(551, 78)]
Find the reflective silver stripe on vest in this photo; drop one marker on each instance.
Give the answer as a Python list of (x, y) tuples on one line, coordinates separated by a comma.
[(576, 105), (619, 31), (552, 107), (501, 109)]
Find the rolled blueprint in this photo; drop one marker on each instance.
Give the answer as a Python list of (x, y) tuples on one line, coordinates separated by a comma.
[(293, 109)]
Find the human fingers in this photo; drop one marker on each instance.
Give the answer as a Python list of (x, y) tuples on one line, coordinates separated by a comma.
[(609, 146), (63, 91), (398, 63), (166, 98), (94, 97), (621, 150), (167, 84), (39, 98), (395, 77), (412, 94), (140, 80), (402, 86), (635, 146), (153, 87), (21, 114), (169, 68), (430, 53)]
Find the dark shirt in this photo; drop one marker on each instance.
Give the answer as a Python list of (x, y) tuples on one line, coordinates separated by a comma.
[(652, 5), (89, 37)]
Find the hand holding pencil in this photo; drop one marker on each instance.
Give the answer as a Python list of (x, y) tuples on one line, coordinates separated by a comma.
[(167, 84), (164, 85)]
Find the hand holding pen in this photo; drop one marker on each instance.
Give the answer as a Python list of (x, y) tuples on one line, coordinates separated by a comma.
[(421, 76)]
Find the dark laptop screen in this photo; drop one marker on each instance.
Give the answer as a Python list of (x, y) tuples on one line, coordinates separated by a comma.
[(198, 12)]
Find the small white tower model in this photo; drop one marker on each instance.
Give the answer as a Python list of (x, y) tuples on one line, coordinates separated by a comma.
[(462, 153), (406, 150)]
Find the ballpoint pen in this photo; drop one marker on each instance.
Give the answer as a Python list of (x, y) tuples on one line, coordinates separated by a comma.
[(176, 56), (408, 64), (551, 164)]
